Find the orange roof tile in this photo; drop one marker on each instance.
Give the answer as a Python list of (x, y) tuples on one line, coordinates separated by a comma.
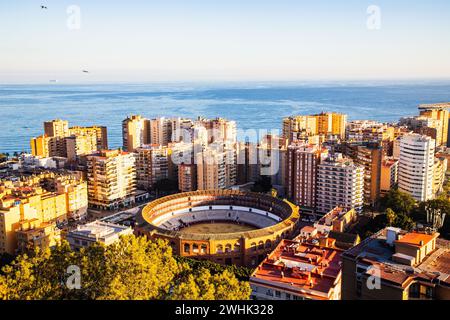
[(415, 239)]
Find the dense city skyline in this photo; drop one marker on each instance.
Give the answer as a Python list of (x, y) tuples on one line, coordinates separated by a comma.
[(258, 151), (287, 213)]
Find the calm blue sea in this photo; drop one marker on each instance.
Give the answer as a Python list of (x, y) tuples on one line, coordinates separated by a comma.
[(23, 108)]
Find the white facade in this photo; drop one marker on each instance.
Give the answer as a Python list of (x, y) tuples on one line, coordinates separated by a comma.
[(340, 182), (97, 231), (415, 166)]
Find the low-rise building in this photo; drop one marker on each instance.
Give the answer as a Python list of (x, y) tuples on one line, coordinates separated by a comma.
[(34, 234), (97, 231), (298, 271), (333, 239), (397, 265), (33, 204), (337, 219)]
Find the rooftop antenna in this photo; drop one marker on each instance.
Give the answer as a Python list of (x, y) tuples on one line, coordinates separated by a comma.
[(435, 217)]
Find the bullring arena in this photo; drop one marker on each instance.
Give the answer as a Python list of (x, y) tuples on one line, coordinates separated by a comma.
[(224, 226)]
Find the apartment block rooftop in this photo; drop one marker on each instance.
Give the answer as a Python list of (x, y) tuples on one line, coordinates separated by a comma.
[(337, 219), (99, 231), (303, 269), (400, 257)]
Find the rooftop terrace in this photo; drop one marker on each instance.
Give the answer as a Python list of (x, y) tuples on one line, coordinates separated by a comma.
[(301, 268)]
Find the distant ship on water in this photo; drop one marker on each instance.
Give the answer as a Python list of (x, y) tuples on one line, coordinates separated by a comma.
[(53, 81)]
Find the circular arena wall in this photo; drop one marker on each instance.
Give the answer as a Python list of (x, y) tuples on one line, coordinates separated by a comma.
[(270, 219)]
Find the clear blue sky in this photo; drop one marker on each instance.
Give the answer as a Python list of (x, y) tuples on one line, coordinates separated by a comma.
[(223, 40)]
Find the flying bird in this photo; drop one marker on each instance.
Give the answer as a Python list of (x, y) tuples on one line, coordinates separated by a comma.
[(43, 7), (85, 71)]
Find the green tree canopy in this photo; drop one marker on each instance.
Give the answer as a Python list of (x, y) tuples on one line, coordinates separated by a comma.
[(202, 285), (133, 268), (399, 202), (441, 203), (388, 219)]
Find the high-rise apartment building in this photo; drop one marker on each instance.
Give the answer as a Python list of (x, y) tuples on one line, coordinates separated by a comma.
[(100, 132), (111, 179), (439, 112), (439, 171), (135, 132), (294, 125), (181, 130), (40, 146), (331, 123), (369, 131), (340, 182), (210, 170), (415, 166), (160, 131), (368, 155), (389, 174), (56, 128), (219, 129), (61, 141), (325, 123), (247, 162), (216, 167), (78, 145), (152, 165), (187, 177), (271, 159), (302, 163)]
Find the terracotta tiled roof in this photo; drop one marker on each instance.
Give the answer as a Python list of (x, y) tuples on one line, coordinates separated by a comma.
[(416, 239)]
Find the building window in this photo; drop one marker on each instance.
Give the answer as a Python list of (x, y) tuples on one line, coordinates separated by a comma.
[(187, 248), (278, 294)]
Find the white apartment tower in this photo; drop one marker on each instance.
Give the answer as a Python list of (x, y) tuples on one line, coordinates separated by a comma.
[(340, 182), (415, 166)]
